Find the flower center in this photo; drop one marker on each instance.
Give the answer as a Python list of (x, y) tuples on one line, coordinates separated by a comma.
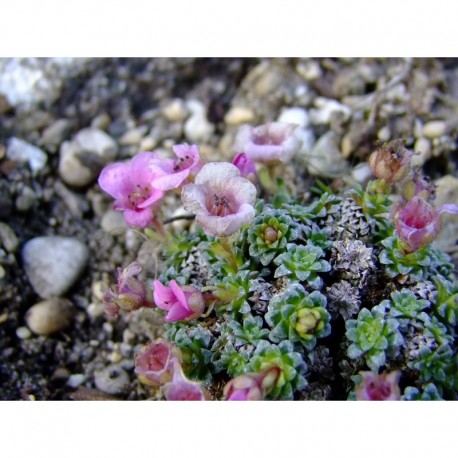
[(219, 206), (139, 195), (267, 139), (378, 391), (182, 163)]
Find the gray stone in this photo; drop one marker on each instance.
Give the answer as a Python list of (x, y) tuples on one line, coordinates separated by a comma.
[(8, 238), (55, 134), (325, 159), (75, 380), (50, 316), (54, 263), (21, 151), (26, 199), (82, 159), (113, 221), (23, 333), (295, 115), (111, 380)]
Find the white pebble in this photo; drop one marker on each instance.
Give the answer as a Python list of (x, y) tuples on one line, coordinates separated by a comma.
[(23, 332), (295, 115), (175, 111), (239, 115), (21, 151), (434, 129)]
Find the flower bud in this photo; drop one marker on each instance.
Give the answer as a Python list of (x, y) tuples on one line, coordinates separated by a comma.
[(155, 362), (252, 387), (246, 167), (129, 294), (391, 161)]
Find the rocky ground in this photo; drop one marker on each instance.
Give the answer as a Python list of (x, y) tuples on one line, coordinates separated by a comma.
[(62, 120)]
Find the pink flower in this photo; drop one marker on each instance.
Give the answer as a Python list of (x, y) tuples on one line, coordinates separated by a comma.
[(391, 161), (183, 389), (246, 167), (378, 387), (417, 223), (274, 141), (129, 183), (251, 387), (182, 302), (172, 173), (130, 293), (220, 198), (155, 362), (419, 186)]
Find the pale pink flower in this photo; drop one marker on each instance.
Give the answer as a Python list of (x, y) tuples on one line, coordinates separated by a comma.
[(252, 386), (246, 167), (172, 173), (420, 186), (155, 363), (417, 223), (182, 302), (274, 141), (129, 183), (129, 294), (183, 389), (220, 198), (378, 387)]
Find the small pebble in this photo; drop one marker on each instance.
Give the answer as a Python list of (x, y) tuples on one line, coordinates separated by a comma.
[(54, 263), (115, 357), (148, 143), (23, 332), (239, 115), (310, 70), (132, 137), (55, 134), (175, 111), (384, 134), (423, 148), (75, 380), (113, 221), (362, 173), (434, 129), (197, 128), (26, 199), (21, 151), (8, 238), (325, 108), (81, 160), (325, 159), (102, 121), (111, 380), (95, 310), (295, 115), (52, 315)]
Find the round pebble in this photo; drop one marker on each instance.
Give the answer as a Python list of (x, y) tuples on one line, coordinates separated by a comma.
[(55, 134), (239, 115), (81, 160), (50, 316), (23, 332), (8, 238), (75, 380), (54, 263), (295, 115), (423, 148), (434, 129), (111, 380), (175, 111)]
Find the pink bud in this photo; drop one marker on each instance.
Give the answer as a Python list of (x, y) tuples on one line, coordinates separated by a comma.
[(181, 302), (378, 387), (251, 387), (246, 167), (155, 362), (129, 294)]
